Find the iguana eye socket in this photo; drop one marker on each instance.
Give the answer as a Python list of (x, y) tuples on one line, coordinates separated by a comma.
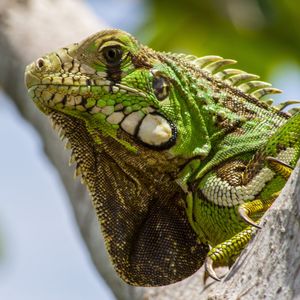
[(112, 55), (161, 87)]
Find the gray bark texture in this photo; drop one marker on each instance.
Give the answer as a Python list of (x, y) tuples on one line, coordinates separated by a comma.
[(270, 266)]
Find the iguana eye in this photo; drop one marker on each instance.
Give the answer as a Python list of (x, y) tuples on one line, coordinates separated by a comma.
[(112, 55), (161, 87)]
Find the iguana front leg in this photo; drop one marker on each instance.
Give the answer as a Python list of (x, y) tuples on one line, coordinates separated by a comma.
[(223, 229), (254, 207), (259, 206), (224, 200), (241, 187), (230, 249)]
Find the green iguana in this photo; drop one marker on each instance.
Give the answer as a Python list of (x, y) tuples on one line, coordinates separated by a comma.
[(179, 153)]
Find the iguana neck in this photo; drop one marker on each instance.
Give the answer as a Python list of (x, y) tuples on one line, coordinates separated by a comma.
[(229, 124)]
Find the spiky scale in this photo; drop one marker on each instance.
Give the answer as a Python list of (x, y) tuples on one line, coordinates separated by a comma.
[(205, 60), (239, 79), (265, 91), (216, 66), (227, 73), (283, 105), (294, 110), (250, 87)]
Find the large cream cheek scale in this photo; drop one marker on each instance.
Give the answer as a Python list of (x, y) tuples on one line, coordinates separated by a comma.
[(154, 130)]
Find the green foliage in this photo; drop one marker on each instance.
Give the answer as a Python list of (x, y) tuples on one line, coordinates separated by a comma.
[(258, 33)]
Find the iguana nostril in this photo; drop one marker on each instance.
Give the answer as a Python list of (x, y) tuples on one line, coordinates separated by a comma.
[(40, 63)]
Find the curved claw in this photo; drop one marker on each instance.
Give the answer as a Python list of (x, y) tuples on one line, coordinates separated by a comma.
[(243, 214), (210, 270)]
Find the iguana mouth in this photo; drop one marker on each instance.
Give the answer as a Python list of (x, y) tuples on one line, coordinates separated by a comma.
[(99, 100), (143, 122)]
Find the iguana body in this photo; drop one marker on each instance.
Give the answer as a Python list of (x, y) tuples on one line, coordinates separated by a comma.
[(177, 151)]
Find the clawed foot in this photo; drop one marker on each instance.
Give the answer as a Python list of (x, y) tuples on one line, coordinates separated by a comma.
[(226, 251), (209, 269), (244, 214)]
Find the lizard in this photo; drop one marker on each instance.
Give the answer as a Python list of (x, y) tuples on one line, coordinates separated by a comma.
[(182, 155)]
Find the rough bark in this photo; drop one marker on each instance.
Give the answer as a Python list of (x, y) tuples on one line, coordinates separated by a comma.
[(270, 266)]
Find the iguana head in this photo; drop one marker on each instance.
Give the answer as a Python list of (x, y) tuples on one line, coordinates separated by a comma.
[(127, 115), (116, 85)]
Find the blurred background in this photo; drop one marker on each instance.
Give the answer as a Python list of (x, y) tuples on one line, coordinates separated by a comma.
[(262, 35)]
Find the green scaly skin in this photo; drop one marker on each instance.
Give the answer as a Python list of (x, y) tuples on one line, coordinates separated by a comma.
[(178, 152)]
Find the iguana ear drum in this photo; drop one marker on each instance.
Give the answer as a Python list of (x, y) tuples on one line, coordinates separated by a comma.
[(156, 131), (152, 129)]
